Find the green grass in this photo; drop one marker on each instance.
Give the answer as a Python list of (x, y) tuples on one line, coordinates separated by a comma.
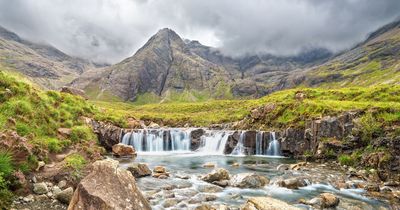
[(6, 166), (288, 111), (346, 160), (81, 133)]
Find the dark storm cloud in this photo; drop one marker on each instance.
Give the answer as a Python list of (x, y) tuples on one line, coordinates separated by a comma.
[(110, 30)]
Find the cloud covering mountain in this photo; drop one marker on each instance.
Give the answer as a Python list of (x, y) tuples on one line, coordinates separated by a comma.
[(109, 30)]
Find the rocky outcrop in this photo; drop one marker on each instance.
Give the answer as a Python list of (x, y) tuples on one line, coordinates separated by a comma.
[(107, 133), (20, 147), (249, 180), (122, 150), (266, 203), (195, 138), (74, 91), (108, 187), (232, 141)]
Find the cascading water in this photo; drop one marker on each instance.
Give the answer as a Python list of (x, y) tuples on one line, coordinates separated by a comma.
[(239, 148), (157, 140), (274, 147), (213, 142), (259, 143)]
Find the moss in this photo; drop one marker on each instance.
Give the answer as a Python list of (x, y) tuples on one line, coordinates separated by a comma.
[(346, 160), (81, 133)]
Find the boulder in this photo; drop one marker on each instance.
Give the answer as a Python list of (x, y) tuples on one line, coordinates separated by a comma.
[(249, 180), (65, 195), (160, 172), (329, 200), (195, 138), (61, 184), (218, 174), (139, 170), (154, 125), (108, 187), (222, 183), (122, 150), (266, 203), (210, 188), (204, 207), (40, 188), (372, 188), (209, 165), (64, 132), (159, 169), (293, 183)]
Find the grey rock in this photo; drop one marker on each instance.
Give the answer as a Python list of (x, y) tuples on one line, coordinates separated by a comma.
[(40, 188)]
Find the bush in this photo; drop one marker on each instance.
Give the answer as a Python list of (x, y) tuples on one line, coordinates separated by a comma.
[(346, 160), (6, 167), (81, 133), (370, 127)]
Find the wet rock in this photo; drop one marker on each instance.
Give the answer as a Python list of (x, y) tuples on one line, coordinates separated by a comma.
[(235, 164), (222, 183), (108, 187), (204, 207), (266, 203), (65, 195), (297, 166), (139, 170), (329, 200), (182, 176), (40, 188), (283, 167), (122, 150), (169, 203), (74, 91), (210, 188), (249, 180), (154, 125), (218, 174), (293, 183), (209, 165), (159, 169), (372, 188), (386, 189), (195, 138)]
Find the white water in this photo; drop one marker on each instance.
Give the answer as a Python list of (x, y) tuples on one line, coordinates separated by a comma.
[(158, 140), (259, 143), (239, 148), (274, 148), (213, 142)]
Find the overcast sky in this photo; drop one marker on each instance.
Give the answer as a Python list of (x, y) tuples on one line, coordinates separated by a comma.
[(111, 30)]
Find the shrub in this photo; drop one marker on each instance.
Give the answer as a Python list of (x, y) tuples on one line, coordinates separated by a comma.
[(346, 160), (370, 127), (6, 167), (53, 145), (81, 133)]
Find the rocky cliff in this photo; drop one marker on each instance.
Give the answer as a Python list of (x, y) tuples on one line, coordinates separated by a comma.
[(44, 64)]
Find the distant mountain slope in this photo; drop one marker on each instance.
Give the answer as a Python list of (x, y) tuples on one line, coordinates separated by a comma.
[(169, 68), (44, 64), (374, 61)]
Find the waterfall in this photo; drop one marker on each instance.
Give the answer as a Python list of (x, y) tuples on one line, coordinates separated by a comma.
[(274, 147), (157, 140), (239, 148), (259, 143), (213, 142)]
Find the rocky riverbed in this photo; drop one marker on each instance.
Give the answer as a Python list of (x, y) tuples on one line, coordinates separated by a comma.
[(188, 181)]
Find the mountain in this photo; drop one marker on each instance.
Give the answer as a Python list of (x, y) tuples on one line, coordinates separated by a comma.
[(373, 62), (44, 64), (170, 68)]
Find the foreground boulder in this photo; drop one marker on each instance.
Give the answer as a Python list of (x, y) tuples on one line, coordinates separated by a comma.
[(65, 195), (329, 200), (266, 203), (249, 180), (218, 174), (122, 150), (108, 187), (139, 170)]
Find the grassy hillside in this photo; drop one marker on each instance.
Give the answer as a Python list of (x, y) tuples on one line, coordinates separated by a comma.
[(37, 115), (288, 110)]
